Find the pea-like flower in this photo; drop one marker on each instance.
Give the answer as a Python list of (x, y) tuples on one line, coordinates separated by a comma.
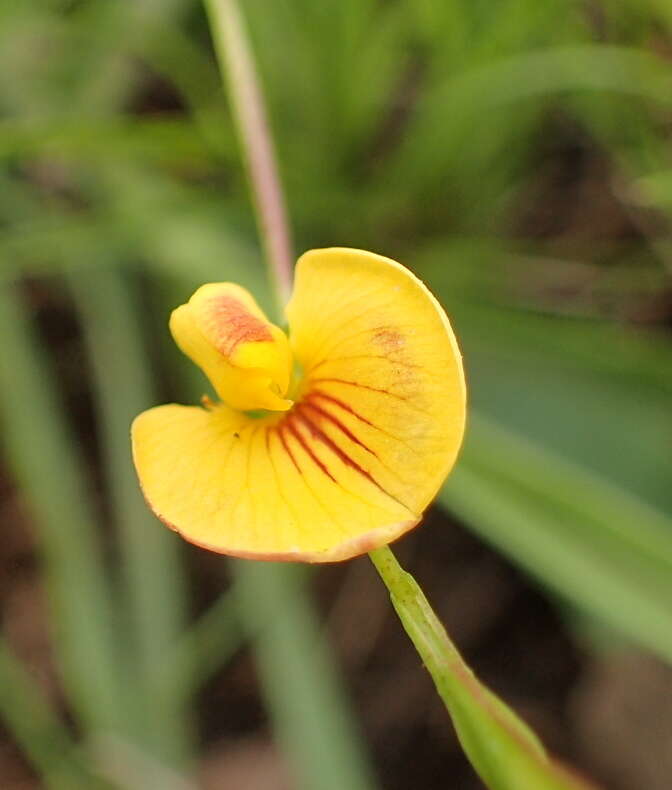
[(325, 444)]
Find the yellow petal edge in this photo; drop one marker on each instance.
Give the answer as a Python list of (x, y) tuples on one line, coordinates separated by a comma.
[(351, 465)]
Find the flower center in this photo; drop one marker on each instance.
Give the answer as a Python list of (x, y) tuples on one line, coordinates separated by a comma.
[(247, 359)]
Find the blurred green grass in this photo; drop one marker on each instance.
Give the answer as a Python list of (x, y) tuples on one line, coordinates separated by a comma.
[(429, 131)]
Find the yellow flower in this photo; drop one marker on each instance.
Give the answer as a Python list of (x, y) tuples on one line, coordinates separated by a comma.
[(325, 445)]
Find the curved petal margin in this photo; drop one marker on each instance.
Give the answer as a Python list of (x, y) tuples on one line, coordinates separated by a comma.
[(253, 488), (383, 371)]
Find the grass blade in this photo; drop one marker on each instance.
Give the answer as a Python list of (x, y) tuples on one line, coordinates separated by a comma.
[(203, 649), (154, 583), (602, 549), (43, 739), (299, 679), (42, 455)]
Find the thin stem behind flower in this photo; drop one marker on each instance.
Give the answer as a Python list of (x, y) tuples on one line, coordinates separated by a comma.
[(249, 113)]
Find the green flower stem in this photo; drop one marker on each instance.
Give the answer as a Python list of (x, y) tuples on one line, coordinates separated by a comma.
[(503, 750), (451, 676)]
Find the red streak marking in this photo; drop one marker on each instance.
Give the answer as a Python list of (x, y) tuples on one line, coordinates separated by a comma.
[(234, 324), (350, 410), (361, 386), (337, 402), (398, 363), (289, 424), (319, 434), (288, 450), (335, 421)]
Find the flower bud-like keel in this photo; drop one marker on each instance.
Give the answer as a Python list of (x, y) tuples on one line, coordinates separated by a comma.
[(352, 460), (246, 358)]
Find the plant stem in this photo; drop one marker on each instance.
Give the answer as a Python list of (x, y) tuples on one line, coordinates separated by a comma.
[(503, 750), (237, 68), (418, 618), (455, 683), (451, 675)]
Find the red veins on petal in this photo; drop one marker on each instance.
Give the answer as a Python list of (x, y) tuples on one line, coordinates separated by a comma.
[(290, 424), (317, 433), (318, 394), (324, 414), (358, 385)]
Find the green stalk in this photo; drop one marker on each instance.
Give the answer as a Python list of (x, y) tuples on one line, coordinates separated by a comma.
[(451, 675), (506, 754), (237, 67)]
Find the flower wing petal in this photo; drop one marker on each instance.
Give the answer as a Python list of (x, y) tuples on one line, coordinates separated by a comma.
[(383, 373), (256, 488)]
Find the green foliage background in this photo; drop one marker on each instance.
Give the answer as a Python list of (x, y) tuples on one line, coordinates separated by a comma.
[(514, 154)]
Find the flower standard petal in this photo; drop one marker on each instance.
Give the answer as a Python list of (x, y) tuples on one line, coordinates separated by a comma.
[(376, 426), (383, 372)]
